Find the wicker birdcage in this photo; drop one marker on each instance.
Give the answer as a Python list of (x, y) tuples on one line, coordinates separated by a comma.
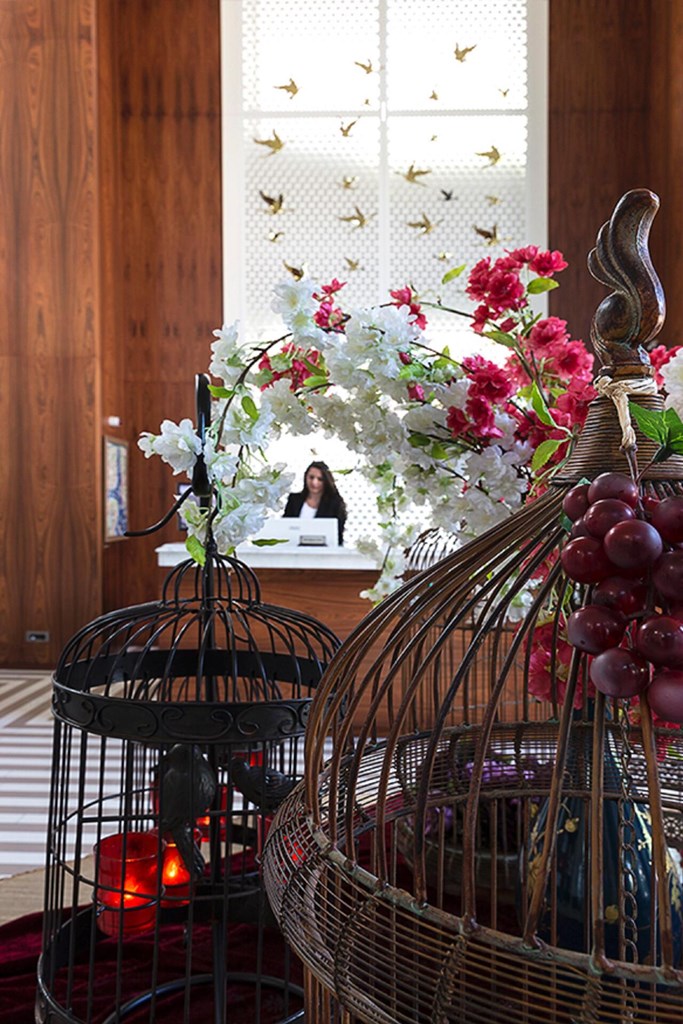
[(472, 853), (178, 729)]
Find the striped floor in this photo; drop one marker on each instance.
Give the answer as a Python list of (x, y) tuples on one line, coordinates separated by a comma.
[(25, 762)]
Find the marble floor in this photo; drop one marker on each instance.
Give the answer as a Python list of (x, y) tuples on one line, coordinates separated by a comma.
[(25, 762)]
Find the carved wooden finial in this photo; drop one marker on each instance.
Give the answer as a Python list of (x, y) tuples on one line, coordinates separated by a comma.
[(633, 314)]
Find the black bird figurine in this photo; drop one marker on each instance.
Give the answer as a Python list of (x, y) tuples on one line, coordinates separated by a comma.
[(263, 787), (187, 787)]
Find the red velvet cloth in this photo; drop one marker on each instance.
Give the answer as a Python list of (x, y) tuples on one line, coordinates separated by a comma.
[(20, 943)]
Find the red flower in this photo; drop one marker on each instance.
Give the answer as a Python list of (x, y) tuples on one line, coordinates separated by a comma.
[(488, 380), (404, 297), (457, 421), (547, 332), (545, 264), (480, 318), (505, 291), (571, 360), (478, 281), (329, 316), (416, 393), (330, 289), (481, 414), (525, 255), (659, 357)]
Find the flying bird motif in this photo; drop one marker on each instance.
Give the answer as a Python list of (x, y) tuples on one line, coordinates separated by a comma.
[(425, 225), (274, 144), (504, 93), (444, 256), (462, 51), (352, 265), (367, 68), (493, 200), (349, 181), (358, 218), (345, 129), (274, 203), (492, 155), (292, 88), (447, 193), (413, 174), (490, 237), (275, 236), (434, 95), (434, 138), (296, 272)]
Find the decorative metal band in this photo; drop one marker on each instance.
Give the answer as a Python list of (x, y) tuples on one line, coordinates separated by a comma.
[(185, 722)]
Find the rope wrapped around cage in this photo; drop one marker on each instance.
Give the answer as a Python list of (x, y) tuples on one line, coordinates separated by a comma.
[(618, 391)]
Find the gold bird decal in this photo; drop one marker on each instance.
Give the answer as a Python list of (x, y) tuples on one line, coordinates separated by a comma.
[(345, 129), (358, 219), (349, 181), (413, 174), (352, 265), (447, 193), (367, 68), (433, 95), (434, 138), (274, 203), (425, 225), (274, 144), (504, 93), (490, 237), (296, 272), (462, 51), (492, 155), (292, 88), (275, 236), (444, 256), (493, 200)]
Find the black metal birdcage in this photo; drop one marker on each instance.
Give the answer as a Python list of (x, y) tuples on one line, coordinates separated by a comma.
[(178, 730)]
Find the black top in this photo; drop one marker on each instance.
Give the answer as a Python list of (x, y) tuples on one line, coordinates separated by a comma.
[(329, 508)]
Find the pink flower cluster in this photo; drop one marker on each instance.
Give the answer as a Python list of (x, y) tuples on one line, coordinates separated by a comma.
[(405, 297), (498, 288), (329, 316), (301, 364), (490, 385), (544, 643)]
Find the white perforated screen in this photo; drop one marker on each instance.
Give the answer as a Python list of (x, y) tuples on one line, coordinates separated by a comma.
[(378, 91)]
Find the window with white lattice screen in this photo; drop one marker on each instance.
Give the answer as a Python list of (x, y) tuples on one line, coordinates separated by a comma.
[(381, 142)]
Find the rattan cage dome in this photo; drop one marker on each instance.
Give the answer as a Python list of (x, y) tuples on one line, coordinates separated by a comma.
[(469, 853), (157, 709)]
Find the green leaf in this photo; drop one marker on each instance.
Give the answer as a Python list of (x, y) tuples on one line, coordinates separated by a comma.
[(249, 406), (196, 550), (419, 441), (675, 445), (316, 382), (502, 337), (439, 451), (220, 392), (268, 542), (651, 423), (541, 284), (673, 422), (543, 453), (452, 274), (540, 408)]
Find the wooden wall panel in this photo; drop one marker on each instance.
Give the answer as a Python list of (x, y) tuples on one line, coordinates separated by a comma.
[(166, 82), (50, 552), (599, 107)]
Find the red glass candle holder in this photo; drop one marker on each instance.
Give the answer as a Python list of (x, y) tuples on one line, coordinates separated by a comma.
[(127, 885), (175, 877)]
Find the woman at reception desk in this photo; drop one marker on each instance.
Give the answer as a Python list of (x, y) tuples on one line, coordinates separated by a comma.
[(318, 499)]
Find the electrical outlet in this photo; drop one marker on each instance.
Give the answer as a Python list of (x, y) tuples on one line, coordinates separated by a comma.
[(37, 636)]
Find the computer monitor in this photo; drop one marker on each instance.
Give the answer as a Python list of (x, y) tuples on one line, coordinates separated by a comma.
[(300, 533)]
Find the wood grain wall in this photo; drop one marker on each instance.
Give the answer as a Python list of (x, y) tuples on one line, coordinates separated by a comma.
[(110, 253), (50, 512), (164, 245), (615, 97)]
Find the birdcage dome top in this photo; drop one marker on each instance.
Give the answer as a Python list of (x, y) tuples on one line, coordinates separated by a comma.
[(209, 660)]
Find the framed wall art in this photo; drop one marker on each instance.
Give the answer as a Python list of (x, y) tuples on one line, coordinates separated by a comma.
[(115, 488)]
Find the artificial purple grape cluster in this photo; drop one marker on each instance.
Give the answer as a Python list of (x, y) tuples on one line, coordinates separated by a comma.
[(630, 550)]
